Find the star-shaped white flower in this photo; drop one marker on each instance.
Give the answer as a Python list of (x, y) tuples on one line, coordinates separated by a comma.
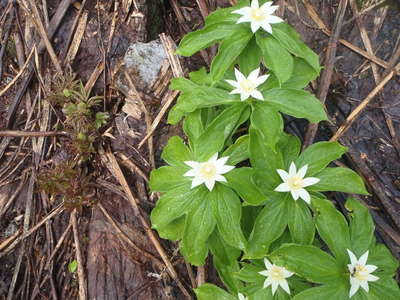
[(276, 276), (242, 297), (259, 16), (247, 87), (360, 272), (294, 182), (208, 172)]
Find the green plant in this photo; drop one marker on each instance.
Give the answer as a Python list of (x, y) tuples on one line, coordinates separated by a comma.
[(272, 232)]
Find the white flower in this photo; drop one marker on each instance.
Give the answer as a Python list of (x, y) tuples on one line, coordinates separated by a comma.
[(259, 16), (360, 272), (247, 87), (242, 297), (208, 172), (294, 182), (276, 276)]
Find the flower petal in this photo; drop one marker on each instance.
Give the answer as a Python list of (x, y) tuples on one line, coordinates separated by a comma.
[(260, 80), (269, 9), (292, 170), (371, 268), (310, 181), (244, 96), (363, 259), (213, 158), (254, 4), (267, 27), (353, 289), (225, 169), (257, 94), (210, 184), (284, 285), (364, 285), (235, 91), (239, 76), (264, 273), (275, 285), (232, 83), (353, 258), (192, 164), (253, 75), (283, 187), (302, 171), (191, 173), (295, 194), (305, 196), (220, 178), (287, 273), (242, 11), (255, 26), (267, 263), (274, 20), (243, 19), (283, 174), (371, 277), (221, 161), (196, 182), (267, 282)]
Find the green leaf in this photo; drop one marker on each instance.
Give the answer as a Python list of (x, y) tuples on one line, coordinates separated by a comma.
[(290, 147), (73, 266), (297, 103), (250, 58), (203, 38), (174, 230), (319, 155), (269, 226), (380, 256), (167, 178), (340, 180), (209, 291), (226, 272), (361, 226), (227, 210), (302, 74), (249, 273), (193, 126), (239, 151), (268, 121), (228, 52), (331, 291), (290, 39), (176, 152), (219, 248), (176, 203), (276, 57), (266, 294), (214, 137), (200, 76), (240, 180), (200, 223), (301, 224), (308, 262), (384, 288), (225, 15), (333, 229)]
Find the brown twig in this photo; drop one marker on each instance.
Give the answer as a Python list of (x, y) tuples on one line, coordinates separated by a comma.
[(18, 133), (79, 258), (326, 77)]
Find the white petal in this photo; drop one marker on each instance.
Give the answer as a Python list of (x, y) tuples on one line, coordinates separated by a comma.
[(287, 273), (371, 268), (283, 174), (267, 27), (275, 285), (292, 170), (371, 277), (363, 259), (267, 263), (244, 96), (192, 164), (221, 161), (255, 26), (274, 20), (310, 181), (225, 169), (191, 173), (235, 91), (241, 296), (353, 258), (284, 284), (305, 195), (242, 11), (353, 289), (260, 80), (244, 19), (254, 4), (210, 184), (266, 5), (283, 187), (264, 273), (256, 94), (302, 171), (295, 194), (239, 76), (350, 267), (196, 182), (220, 178), (267, 282), (213, 158), (232, 83), (269, 9), (254, 75), (364, 285)]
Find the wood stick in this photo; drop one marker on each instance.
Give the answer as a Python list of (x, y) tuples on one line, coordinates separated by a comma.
[(79, 258), (18, 133)]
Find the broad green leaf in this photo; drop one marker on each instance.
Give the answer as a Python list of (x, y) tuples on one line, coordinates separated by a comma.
[(266, 294), (297, 103), (167, 178), (219, 248), (176, 203), (214, 137), (384, 288), (73, 266), (340, 180), (229, 50), (227, 210), (290, 147), (290, 39), (319, 155), (249, 215), (249, 273), (331, 291), (174, 230), (209, 291), (268, 121), (250, 58), (269, 226), (193, 126), (276, 57), (203, 38), (176, 152), (302, 75), (309, 262), (300, 222), (226, 272), (361, 226), (333, 229), (380, 256), (225, 15), (239, 151), (200, 223), (240, 180), (200, 76)]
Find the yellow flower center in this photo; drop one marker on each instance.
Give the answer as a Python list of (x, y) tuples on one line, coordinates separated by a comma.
[(247, 86), (276, 273), (257, 15), (360, 272), (295, 182), (208, 170)]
